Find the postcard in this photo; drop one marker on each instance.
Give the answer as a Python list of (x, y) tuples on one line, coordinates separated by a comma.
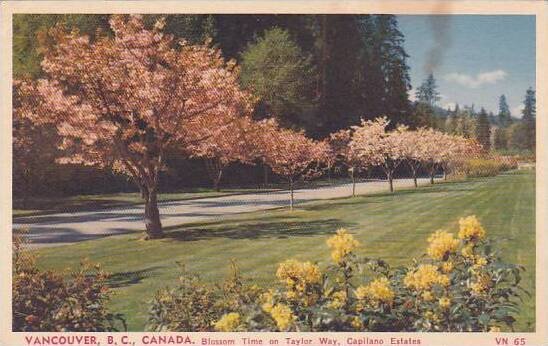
[(274, 173)]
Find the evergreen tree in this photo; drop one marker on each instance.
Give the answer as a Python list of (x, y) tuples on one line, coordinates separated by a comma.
[(195, 28), (397, 82), (500, 141), (370, 76), (483, 130), (428, 91), (452, 120), (423, 115), (337, 59), (427, 95), (383, 77), (504, 115), (529, 118), (492, 118)]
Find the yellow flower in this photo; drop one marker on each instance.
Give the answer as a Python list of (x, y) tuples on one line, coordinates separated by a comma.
[(267, 307), (471, 229), (444, 302), (341, 244), (298, 277), (283, 316), (339, 299), (441, 245), (424, 277), (431, 316), (481, 285), (298, 274), (427, 296), (481, 261), (477, 287), (228, 323), (267, 298), (291, 295), (356, 323), (494, 329), (377, 291), (447, 267)]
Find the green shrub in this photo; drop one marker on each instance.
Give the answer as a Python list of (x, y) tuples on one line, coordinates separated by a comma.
[(195, 306), (484, 167), (47, 301), (460, 284)]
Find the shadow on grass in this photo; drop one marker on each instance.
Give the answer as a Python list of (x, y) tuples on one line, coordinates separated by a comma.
[(124, 279), (381, 197), (259, 229)]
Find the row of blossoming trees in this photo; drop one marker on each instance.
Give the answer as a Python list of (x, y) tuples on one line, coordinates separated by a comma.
[(122, 102), (371, 144)]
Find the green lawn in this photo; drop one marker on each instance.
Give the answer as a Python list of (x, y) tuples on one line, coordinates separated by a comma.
[(394, 227)]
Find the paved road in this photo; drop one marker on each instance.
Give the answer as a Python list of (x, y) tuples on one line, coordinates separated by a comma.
[(66, 228)]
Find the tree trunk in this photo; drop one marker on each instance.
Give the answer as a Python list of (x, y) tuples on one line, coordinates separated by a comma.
[(290, 193), (265, 175), (353, 183), (432, 173), (390, 182), (152, 215), (215, 171), (415, 178), (445, 170), (217, 180)]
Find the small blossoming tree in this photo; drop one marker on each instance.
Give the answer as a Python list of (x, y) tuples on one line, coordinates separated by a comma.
[(374, 145), (232, 143), (291, 154), (343, 154), (413, 150), (441, 150), (121, 101)]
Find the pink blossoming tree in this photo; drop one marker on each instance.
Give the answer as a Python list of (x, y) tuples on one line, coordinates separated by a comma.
[(122, 101), (375, 146), (235, 142), (291, 154)]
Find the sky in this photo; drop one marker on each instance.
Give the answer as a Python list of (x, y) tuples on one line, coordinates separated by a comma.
[(474, 58)]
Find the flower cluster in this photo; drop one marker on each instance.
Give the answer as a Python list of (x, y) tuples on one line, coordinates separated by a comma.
[(442, 244), (376, 292), (300, 279), (339, 299), (228, 323), (341, 244), (425, 277), (481, 284), (471, 229), (283, 316), (298, 274)]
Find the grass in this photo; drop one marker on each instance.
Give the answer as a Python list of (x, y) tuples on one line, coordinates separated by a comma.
[(390, 226), (49, 205)]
